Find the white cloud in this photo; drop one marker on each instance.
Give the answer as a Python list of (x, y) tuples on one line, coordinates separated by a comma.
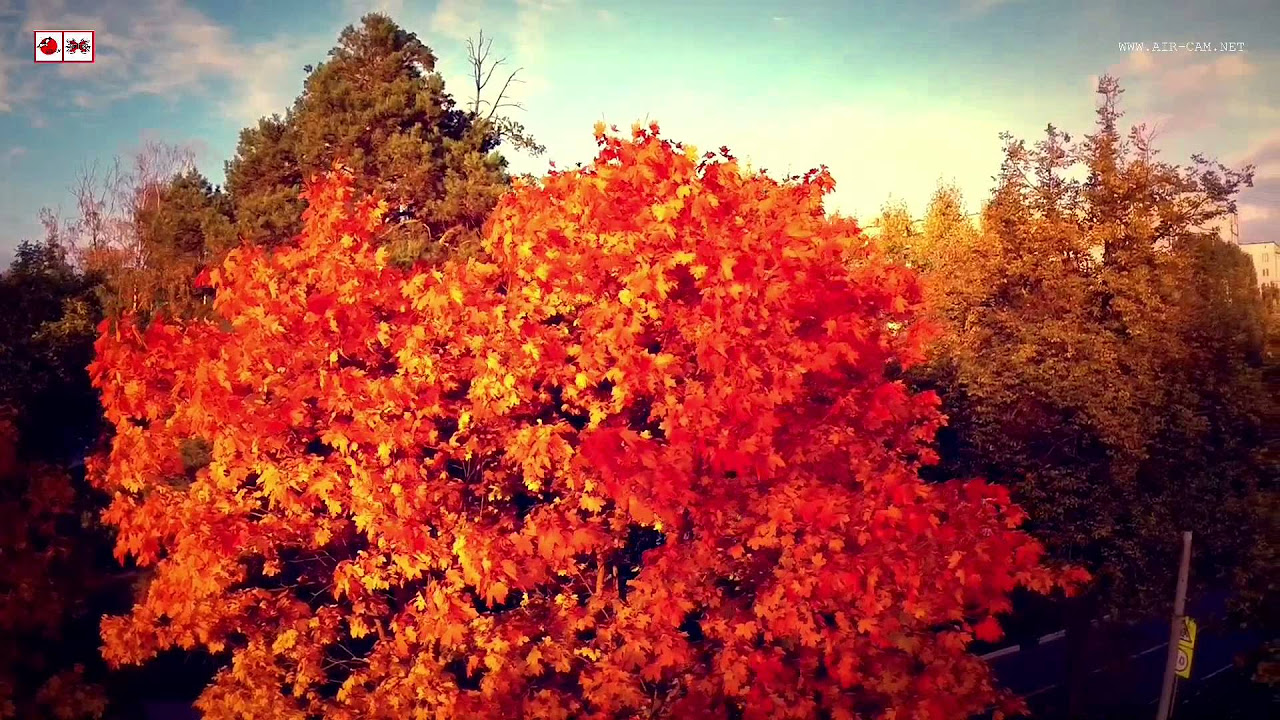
[(524, 31), (1184, 73), (457, 19), (1263, 152), (1189, 78), (171, 49), (6, 92), (1194, 91), (982, 7), (532, 24), (354, 9), (165, 48), (1249, 213), (1259, 207), (273, 76), (198, 55), (1136, 62)]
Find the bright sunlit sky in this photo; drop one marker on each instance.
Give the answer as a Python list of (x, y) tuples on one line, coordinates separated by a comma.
[(892, 96)]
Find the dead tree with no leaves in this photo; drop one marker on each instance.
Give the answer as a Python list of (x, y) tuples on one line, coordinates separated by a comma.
[(482, 72)]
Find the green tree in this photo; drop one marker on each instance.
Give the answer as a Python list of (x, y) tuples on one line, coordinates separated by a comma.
[(50, 549), (896, 231), (145, 232), (1101, 355), (378, 106), (177, 227), (1259, 581), (945, 231), (50, 313)]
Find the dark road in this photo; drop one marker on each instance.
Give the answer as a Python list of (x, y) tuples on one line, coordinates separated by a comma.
[(1126, 671)]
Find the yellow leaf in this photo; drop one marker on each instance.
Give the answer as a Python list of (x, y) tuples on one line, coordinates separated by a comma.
[(284, 641), (269, 479), (580, 380), (726, 267)]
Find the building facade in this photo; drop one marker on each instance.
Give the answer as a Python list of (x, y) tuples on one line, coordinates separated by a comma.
[(1266, 261)]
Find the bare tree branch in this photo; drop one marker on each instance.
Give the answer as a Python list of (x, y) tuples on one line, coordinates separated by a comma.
[(482, 71), (104, 233)]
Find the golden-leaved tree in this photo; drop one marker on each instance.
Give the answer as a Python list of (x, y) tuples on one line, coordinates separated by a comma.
[(648, 456)]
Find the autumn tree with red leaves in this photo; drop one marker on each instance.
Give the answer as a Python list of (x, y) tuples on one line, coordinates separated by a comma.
[(647, 457)]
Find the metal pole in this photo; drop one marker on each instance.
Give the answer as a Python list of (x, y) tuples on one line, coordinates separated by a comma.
[(1175, 630)]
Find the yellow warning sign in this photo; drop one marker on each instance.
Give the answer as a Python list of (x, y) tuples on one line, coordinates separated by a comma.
[(1186, 647)]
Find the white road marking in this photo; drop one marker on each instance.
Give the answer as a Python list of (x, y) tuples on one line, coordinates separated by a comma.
[(1015, 648), (1222, 669), (1062, 633), (1133, 657), (1153, 649), (1001, 652), (1046, 688)]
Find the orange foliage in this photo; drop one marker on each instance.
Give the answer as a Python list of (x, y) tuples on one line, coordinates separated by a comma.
[(645, 459)]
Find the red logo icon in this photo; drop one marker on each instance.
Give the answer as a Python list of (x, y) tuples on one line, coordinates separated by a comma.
[(71, 46)]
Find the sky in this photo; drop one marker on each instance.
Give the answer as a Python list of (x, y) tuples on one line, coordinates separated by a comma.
[(893, 96)]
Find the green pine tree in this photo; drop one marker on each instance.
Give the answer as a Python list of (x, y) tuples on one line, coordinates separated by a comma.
[(378, 106)]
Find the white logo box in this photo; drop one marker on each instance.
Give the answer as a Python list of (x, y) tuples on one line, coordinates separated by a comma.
[(73, 46), (79, 46), (48, 45)]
